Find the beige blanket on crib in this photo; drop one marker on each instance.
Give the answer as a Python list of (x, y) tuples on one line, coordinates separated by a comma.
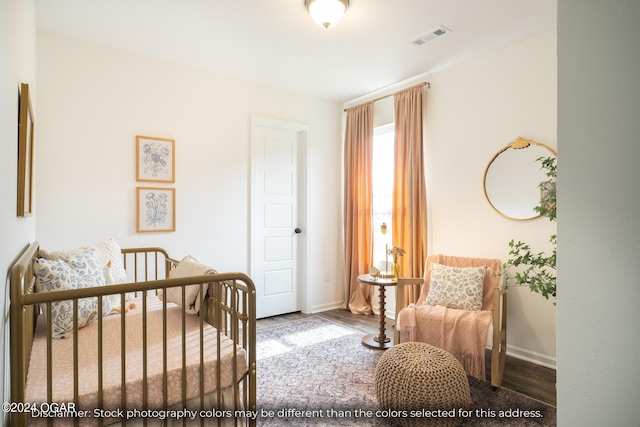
[(188, 266), (462, 333)]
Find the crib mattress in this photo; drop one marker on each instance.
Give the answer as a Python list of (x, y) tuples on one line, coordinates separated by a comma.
[(62, 358)]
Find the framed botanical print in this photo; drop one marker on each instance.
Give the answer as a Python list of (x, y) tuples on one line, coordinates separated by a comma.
[(155, 159), (156, 209)]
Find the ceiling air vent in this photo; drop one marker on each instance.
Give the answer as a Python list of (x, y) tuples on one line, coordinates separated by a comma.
[(431, 35)]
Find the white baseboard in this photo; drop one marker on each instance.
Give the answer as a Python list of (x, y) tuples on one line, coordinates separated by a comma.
[(325, 307), (531, 356)]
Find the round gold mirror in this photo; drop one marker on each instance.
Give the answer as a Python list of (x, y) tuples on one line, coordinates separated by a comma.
[(512, 179)]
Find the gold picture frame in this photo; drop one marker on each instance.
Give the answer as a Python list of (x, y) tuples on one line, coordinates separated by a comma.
[(155, 159), (156, 209), (26, 127)]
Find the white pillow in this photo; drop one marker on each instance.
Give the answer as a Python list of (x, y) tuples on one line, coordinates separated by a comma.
[(106, 251), (456, 287), (55, 275)]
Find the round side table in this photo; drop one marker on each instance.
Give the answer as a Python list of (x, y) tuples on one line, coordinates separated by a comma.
[(380, 341)]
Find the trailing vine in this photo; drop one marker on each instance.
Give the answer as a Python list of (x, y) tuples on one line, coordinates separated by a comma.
[(539, 272)]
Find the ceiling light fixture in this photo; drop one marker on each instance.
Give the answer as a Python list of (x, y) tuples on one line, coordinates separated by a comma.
[(326, 12)]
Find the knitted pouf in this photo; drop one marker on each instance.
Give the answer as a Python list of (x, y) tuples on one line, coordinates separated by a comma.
[(418, 384)]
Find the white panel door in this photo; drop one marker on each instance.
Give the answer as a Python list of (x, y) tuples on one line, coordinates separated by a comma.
[(275, 216)]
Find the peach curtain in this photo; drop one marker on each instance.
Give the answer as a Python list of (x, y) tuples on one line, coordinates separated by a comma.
[(409, 210), (358, 203)]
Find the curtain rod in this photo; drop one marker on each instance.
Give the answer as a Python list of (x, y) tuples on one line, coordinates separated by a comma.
[(427, 84)]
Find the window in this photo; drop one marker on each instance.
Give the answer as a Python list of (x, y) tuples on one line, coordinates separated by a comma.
[(383, 153)]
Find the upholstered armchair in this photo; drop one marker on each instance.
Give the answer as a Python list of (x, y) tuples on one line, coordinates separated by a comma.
[(454, 307)]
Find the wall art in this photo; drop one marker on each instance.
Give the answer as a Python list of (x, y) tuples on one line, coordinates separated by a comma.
[(155, 159), (26, 127), (156, 210)]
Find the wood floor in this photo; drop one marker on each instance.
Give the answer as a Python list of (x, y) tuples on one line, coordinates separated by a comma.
[(533, 380)]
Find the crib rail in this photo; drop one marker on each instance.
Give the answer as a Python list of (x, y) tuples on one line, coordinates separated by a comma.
[(227, 302)]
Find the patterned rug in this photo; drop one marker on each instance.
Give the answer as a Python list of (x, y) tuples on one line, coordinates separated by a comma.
[(313, 372)]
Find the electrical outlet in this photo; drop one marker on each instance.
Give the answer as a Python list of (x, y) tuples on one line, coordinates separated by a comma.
[(327, 276)]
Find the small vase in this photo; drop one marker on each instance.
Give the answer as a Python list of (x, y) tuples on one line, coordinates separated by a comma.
[(395, 271)]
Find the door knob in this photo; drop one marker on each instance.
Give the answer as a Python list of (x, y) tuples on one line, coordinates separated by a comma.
[(298, 230)]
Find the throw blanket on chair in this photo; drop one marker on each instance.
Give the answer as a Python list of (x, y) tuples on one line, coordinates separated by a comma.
[(462, 333)]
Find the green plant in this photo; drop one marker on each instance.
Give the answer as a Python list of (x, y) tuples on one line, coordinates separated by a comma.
[(539, 271)]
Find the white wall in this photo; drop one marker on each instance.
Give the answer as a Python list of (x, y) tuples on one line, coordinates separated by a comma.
[(598, 220), (93, 101), (17, 56), (474, 109)]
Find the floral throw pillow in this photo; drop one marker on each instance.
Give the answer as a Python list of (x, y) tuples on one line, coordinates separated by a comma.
[(456, 287), (73, 273), (88, 267), (106, 251)]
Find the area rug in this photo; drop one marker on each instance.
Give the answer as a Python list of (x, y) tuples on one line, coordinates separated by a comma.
[(313, 372)]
